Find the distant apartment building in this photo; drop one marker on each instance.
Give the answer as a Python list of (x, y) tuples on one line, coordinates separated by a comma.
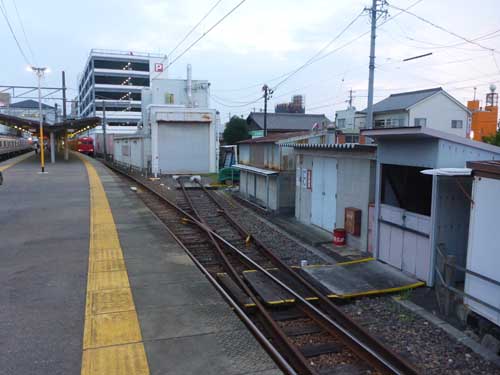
[(113, 80), (484, 120), (297, 105)]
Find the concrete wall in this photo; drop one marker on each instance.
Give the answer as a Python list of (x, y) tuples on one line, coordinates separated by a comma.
[(176, 89), (355, 188), (439, 110)]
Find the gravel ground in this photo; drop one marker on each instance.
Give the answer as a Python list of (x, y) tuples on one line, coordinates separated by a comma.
[(431, 349), (428, 347), (290, 251)]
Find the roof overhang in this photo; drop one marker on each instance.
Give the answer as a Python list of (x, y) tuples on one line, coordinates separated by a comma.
[(418, 132), (447, 172), (261, 171)]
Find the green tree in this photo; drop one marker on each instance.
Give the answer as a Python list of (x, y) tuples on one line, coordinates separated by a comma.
[(493, 139), (236, 130)]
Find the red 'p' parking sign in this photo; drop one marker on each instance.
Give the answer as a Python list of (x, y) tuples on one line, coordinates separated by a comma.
[(158, 67)]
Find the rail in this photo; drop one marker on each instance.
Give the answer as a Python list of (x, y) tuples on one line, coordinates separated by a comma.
[(337, 323)]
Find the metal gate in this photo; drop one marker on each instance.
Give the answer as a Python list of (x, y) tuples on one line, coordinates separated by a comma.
[(404, 241)]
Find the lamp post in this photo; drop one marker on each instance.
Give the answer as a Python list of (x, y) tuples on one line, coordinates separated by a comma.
[(39, 73)]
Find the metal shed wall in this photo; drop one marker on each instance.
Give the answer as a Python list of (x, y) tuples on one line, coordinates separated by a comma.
[(483, 249), (355, 188)]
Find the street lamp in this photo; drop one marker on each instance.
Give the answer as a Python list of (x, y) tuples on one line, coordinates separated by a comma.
[(39, 73)]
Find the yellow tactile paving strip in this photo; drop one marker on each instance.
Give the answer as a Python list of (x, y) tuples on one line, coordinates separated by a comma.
[(112, 340), (18, 160)]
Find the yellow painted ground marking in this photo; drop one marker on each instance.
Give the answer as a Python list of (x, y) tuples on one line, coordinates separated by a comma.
[(107, 280), (120, 359), (107, 265), (111, 329), (112, 340), (18, 160), (107, 301)]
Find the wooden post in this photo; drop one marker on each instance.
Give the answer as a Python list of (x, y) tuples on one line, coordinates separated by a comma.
[(449, 278)]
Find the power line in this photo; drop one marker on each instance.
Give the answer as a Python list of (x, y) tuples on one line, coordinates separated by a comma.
[(204, 34), (471, 41), (194, 27), (235, 106), (23, 30), (3, 9), (319, 52)]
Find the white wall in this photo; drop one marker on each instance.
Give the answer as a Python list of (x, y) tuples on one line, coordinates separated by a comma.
[(439, 110), (482, 253)]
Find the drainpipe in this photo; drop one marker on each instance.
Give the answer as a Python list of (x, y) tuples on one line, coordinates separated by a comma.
[(189, 86)]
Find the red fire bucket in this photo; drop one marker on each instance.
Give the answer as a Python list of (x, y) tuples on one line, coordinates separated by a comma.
[(339, 237)]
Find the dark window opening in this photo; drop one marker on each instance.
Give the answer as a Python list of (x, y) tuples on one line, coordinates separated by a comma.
[(122, 123), (125, 108), (121, 65), (407, 188), (122, 95), (125, 81)]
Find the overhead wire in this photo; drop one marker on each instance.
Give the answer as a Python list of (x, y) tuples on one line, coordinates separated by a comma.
[(439, 27), (204, 34), (326, 46), (194, 27), (3, 9), (21, 23)]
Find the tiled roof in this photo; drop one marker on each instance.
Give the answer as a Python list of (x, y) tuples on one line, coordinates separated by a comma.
[(287, 121)]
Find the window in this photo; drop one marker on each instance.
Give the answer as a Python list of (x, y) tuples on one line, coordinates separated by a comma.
[(407, 188), (352, 139), (420, 121), (341, 123), (380, 123), (457, 124)]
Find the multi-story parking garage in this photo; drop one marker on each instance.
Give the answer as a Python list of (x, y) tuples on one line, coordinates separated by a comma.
[(113, 80)]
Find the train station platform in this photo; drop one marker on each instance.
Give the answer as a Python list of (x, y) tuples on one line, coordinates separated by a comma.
[(91, 283)]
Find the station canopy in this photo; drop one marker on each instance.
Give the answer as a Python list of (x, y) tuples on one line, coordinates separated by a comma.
[(73, 126)]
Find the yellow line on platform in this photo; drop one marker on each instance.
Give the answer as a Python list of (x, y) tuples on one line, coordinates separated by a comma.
[(112, 340), (18, 160)]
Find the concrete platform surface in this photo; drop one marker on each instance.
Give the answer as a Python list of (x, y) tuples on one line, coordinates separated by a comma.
[(46, 235), (357, 278), (44, 244)]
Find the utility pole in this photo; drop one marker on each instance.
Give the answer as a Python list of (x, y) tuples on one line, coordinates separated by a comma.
[(105, 146), (267, 95), (39, 73), (350, 99), (376, 9), (66, 147)]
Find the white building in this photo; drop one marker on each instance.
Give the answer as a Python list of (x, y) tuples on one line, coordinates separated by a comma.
[(178, 132), (431, 108), (115, 79), (350, 119)]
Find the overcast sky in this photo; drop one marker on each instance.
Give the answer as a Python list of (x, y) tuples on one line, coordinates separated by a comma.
[(262, 40)]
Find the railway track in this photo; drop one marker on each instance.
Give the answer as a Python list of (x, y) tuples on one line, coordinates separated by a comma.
[(301, 337)]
